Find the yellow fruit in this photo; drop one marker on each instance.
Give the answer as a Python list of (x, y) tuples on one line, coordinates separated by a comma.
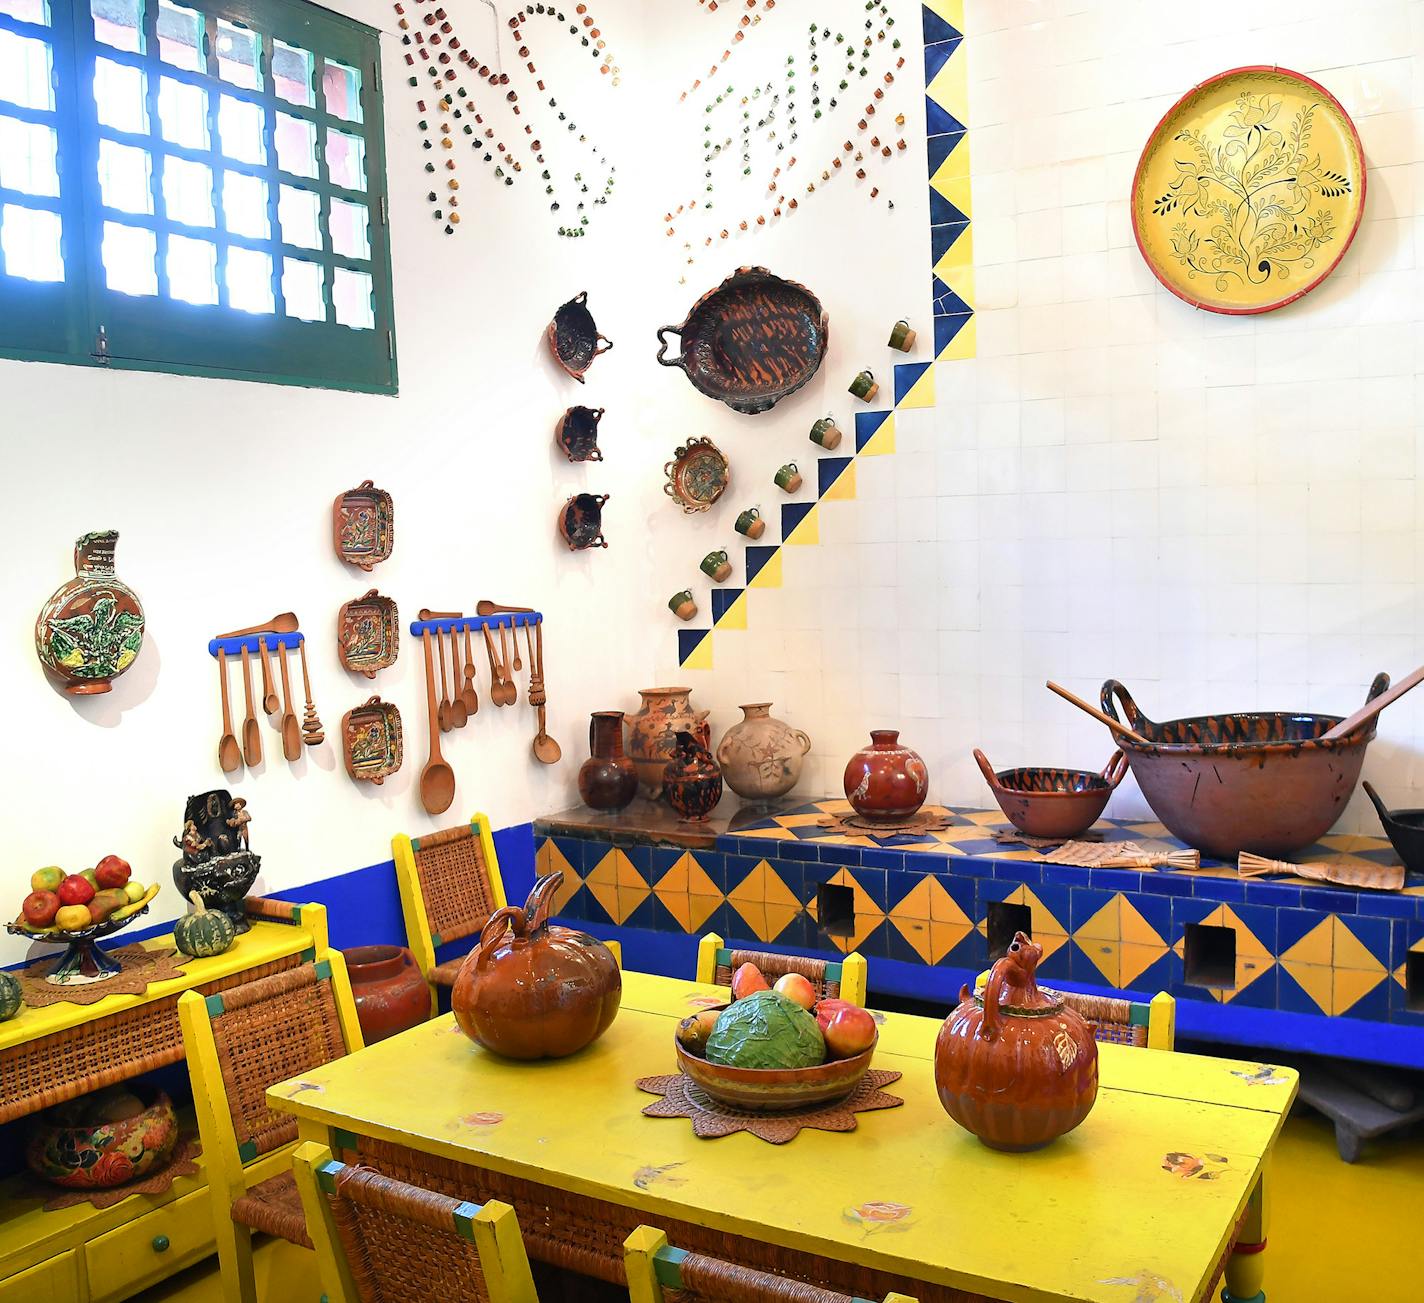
[(46, 879), (72, 917), (693, 1031), (135, 891)]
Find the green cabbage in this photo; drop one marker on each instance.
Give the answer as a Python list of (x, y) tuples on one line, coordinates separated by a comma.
[(766, 1030)]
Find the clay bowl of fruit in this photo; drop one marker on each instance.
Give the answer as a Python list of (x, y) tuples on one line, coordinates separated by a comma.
[(771, 1051)]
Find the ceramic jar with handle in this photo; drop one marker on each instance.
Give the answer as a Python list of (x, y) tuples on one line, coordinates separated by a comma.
[(761, 756), (886, 780), (533, 990), (390, 994), (652, 729), (1015, 1065), (607, 779)]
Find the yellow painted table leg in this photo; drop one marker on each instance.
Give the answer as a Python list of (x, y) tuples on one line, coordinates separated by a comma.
[(1246, 1268)]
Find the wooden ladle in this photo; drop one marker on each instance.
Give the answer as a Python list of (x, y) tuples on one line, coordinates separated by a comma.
[(291, 730), (284, 623), (459, 712), (546, 749), (269, 692), (251, 733), (437, 779), (511, 693), (468, 694), (229, 754), (1116, 725)]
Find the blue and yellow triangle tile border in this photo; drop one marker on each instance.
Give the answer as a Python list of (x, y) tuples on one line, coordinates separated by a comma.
[(763, 566)]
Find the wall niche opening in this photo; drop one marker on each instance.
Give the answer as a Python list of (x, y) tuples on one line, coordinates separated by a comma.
[(1210, 956), (835, 909), (1004, 920)]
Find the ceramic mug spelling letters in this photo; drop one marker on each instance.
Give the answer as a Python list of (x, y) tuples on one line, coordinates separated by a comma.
[(750, 523), (825, 433), (716, 565), (864, 387), (902, 337), (788, 478), (682, 605)]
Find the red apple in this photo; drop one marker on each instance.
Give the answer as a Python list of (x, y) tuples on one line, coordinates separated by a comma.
[(40, 907), (746, 980), (796, 988), (827, 1009), (76, 890), (111, 871), (851, 1031)]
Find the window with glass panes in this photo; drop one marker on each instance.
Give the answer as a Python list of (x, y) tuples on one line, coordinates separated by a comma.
[(194, 187)]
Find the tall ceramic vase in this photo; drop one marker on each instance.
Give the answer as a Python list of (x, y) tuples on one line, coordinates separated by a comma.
[(607, 779), (652, 731), (91, 629), (761, 756)]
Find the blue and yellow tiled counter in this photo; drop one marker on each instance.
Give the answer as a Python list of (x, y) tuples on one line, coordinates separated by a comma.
[(1285, 963)]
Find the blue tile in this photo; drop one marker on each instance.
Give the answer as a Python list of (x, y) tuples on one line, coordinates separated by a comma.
[(664, 857), (971, 953), (1084, 903), (1293, 924), (734, 870), (995, 889), (1056, 900), (1029, 871), (874, 883), (1067, 875), (764, 848), (1374, 1006), (1373, 934), (1187, 909), (840, 854), (892, 860), (970, 866), (959, 890), (1059, 965), (1291, 997), (1115, 879), (1225, 890), (1262, 922), (572, 849), (1279, 894), (1261, 993), (641, 858), (714, 865), (1166, 884), (1341, 901), (799, 851), (1157, 910), (1383, 905)]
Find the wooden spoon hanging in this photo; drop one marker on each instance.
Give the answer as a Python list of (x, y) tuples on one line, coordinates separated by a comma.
[(468, 694), (443, 713), (284, 623), (437, 779), (251, 732), (291, 730), (511, 693), (269, 694), (312, 733), (459, 713), (229, 753)]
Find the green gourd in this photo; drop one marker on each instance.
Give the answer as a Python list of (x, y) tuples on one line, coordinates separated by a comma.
[(203, 934), (9, 996)]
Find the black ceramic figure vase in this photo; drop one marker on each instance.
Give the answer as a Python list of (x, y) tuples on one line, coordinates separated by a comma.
[(692, 782), (216, 862)]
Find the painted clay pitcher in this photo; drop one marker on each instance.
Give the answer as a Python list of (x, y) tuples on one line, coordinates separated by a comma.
[(533, 990), (607, 779), (761, 756), (886, 780), (692, 782), (390, 994), (652, 730), (91, 629), (1015, 1065)]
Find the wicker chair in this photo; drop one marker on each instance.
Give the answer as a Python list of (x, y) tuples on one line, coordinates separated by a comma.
[(1123, 1022), (658, 1273), (845, 980), (238, 1043), (449, 886), (379, 1240)]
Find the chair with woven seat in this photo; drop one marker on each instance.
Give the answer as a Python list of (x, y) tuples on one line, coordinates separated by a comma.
[(379, 1240), (238, 1043), (658, 1273), (837, 981), (1123, 1022), (449, 886)]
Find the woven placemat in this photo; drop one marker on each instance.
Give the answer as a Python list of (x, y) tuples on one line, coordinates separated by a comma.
[(140, 967), (851, 824), (1013, 837), (682, 1098), (181, 1164)]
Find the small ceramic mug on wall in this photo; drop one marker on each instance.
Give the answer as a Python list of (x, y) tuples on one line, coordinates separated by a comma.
[(682, 605), (825, 433), (716, 565), (750, 523), (788, 477), (864, 387), (902, 337)]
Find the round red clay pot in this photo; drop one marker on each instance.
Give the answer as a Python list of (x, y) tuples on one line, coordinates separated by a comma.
[(390, 993), (1016, 1066), (886, 780)]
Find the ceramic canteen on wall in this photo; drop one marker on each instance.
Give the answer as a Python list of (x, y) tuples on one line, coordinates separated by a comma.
[(692, 782), (607, 779), (91, 628), (886, 780), (651, 731), (761, 757)]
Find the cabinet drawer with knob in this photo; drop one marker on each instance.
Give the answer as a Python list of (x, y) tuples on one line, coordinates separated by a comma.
[(149, 1248)]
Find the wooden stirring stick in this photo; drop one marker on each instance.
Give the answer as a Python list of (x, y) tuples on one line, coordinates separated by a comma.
[(1372, 708), (312, 733), (1116, 725)]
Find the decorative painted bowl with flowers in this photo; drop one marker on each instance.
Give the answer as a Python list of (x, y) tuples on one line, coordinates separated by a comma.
[(104, 1139)]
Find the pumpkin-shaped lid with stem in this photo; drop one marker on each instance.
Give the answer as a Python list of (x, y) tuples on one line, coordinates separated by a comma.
[(1012, 990)]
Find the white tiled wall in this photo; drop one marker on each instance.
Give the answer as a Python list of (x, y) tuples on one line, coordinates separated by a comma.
[(1223, 512)]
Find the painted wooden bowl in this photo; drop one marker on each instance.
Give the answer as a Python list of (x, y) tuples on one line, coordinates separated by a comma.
[(1263, 782), (581, 521), (363, 525), (98, 1141), (577, 433), (573, 337), (697, 476), (368, 633), (775, 1090), (1053, 803), (751, 341)]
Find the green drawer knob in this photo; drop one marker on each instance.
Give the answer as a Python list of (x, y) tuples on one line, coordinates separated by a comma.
[(160, 1244)]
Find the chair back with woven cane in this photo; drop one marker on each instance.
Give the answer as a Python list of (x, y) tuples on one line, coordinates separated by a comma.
[(449, 886), (379, 1240), (845, 980), (658, 1273), (239, 1043), (1123, 1022)]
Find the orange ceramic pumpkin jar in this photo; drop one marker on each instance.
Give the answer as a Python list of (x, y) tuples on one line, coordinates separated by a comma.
[(533, 990), (1016, 1066)]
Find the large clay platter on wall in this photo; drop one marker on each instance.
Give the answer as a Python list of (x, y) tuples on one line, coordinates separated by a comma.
[(751, 341), (1249, 191), (368, 633)]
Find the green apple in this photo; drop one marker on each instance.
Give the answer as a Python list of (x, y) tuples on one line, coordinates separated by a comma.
[(47, 879), (134, 891), (91, 877)]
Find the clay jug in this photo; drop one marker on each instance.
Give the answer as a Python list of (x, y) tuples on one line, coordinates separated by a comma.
[(91, 629), (389, 991), (761, 756), (607, 779), (651, 732), (886, 780), (533, 990), (692, 782), (1016, 1066)]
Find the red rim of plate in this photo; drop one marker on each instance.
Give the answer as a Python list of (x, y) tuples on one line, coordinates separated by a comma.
[(1157, 131)]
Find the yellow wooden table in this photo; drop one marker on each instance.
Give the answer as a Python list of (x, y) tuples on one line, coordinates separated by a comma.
[(1141, 1202)]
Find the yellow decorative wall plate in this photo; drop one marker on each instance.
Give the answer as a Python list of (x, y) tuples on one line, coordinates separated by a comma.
[(1249, 191)]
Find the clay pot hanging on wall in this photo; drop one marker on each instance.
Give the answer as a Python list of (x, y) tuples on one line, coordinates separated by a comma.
[(692, 782), (91, 629), (607, 779), (1016, 1066), (651, 733), (391, 995), (761, 757), (886, 780)]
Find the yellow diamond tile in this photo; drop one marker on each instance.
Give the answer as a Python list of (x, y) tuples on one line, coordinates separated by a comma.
[(700, 658), (617, 885), (842, 489), (867, 914), (985, 818), (1105, 925), (1350, 985), (1136, 930), (549, 859), (769, 576), (837, 806), (765, 902), (1352, 953), (770, 834), (735, 616), (965, 342), (952, 11), (1316, 947), (688, 893), (921, 393), (807, 533), (882, 442), (799, 820), (1315, 981), (1137, 959)]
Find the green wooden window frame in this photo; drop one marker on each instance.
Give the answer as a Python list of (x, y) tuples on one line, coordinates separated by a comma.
[(81, 319)]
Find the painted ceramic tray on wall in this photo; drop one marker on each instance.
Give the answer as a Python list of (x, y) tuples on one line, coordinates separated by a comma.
[(697, 476), (751, 341), (368, 633), (373, 741), (1249, 191), (363, 525)]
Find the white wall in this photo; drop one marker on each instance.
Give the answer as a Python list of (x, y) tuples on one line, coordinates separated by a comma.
[(1222, 512), (221, 491)]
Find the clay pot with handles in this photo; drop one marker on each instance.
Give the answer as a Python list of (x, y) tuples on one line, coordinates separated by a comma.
[(761, 756), (532, 989)]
